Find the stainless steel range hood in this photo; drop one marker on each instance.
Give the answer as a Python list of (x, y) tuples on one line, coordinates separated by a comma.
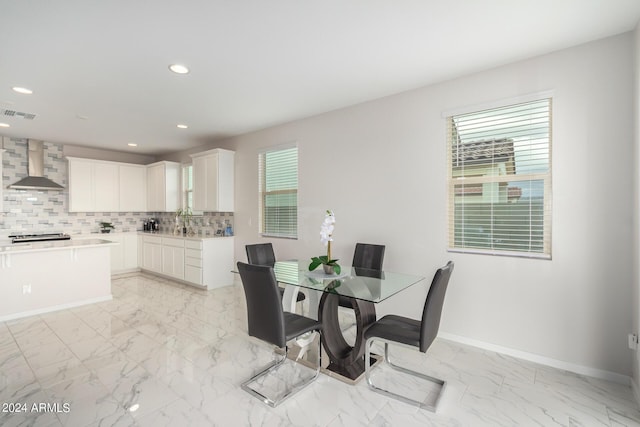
[(35, 163)]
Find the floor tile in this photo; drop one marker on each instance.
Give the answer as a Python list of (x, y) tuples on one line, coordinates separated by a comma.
[(163, 353)]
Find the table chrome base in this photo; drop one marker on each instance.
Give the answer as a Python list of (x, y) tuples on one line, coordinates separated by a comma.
[(351, 375)]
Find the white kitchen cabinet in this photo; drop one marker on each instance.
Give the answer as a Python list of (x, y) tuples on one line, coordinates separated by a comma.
[(206, 263), (152, 253), (81, 185), (193, 261), (213, 181), (173, 257), (163, 187), (209, 262), (93, 186), (124, 255), (133, 188), (130, 255), (103, 186), (106, 190)]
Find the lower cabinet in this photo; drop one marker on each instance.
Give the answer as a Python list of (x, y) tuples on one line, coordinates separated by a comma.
[(152, 253), (193, 262), (173, 257), (124, 256), (203, 262)]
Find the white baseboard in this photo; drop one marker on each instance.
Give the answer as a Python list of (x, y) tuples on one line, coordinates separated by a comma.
[(636, 391), (22, 314), (543, 360)]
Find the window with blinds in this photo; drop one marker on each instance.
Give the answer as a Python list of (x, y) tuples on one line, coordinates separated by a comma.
[(278, 191), (187, 186), (499, 163)]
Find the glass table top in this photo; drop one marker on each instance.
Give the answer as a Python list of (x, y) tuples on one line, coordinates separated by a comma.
[(368, 285)]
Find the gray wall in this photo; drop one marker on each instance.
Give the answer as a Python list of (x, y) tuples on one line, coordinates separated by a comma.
[(381, 167)]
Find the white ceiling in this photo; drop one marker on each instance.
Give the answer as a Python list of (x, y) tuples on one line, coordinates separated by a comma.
[(255, 63)]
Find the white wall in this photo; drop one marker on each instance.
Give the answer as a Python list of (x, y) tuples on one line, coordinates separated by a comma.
[(636, 204), (381, 167)]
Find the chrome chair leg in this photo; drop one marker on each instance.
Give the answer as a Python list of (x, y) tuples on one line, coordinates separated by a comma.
[(367, 367), (273, 367)]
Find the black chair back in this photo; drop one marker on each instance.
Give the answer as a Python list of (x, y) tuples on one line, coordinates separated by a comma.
[(264, 305), (368, 256), (261, 254), (433, 306)]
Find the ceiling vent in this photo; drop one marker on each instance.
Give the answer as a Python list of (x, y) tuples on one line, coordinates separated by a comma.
[(13, 113)]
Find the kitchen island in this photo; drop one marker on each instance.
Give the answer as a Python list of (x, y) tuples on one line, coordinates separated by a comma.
[(39, 277)]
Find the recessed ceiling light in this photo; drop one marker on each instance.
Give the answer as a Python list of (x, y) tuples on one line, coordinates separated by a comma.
[(132, 144), (22, 90), (4, 125), (178, 69), (182, 126)]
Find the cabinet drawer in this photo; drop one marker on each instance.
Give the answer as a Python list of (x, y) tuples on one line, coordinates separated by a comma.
[(196, 262), (193, 253), (152, 239), (193, 244), (193, 274), (171, 241)]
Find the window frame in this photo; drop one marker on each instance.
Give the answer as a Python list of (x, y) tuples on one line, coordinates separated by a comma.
[(545, 177), (184, 197), (263, 193)]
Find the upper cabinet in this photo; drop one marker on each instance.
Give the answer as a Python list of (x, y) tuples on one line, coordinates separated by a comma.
[(103, 186), (133, 188), (93, 186), (213, 177), (163, 187)]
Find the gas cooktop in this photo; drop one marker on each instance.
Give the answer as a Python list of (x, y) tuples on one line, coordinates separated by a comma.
[(38, 237)]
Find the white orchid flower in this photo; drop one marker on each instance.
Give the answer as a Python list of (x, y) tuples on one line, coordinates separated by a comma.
[(326, 237), (327, 227)]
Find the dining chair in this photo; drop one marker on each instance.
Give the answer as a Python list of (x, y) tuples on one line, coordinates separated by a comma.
[(263, 254), (406, 332), (267, 321), (366, 256)]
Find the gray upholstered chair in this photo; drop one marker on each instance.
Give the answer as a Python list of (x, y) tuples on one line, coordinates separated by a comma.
[(408, 332), (263, 254), (269, 322), (365, 256)]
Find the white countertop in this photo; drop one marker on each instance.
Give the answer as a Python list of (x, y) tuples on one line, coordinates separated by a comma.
[(6, 247), (196, 237)]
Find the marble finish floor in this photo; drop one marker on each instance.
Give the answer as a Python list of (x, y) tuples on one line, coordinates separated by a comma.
[(177, 355)]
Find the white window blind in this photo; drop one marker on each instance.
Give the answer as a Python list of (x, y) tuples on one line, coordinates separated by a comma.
[(278, 192), (499, 163)]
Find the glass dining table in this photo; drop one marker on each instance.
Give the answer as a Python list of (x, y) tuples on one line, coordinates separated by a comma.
[(364, 289)]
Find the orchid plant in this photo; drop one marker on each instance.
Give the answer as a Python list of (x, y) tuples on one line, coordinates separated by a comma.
[(326, 237)]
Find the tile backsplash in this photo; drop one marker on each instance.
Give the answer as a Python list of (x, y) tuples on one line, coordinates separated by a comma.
[(25, 211)]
